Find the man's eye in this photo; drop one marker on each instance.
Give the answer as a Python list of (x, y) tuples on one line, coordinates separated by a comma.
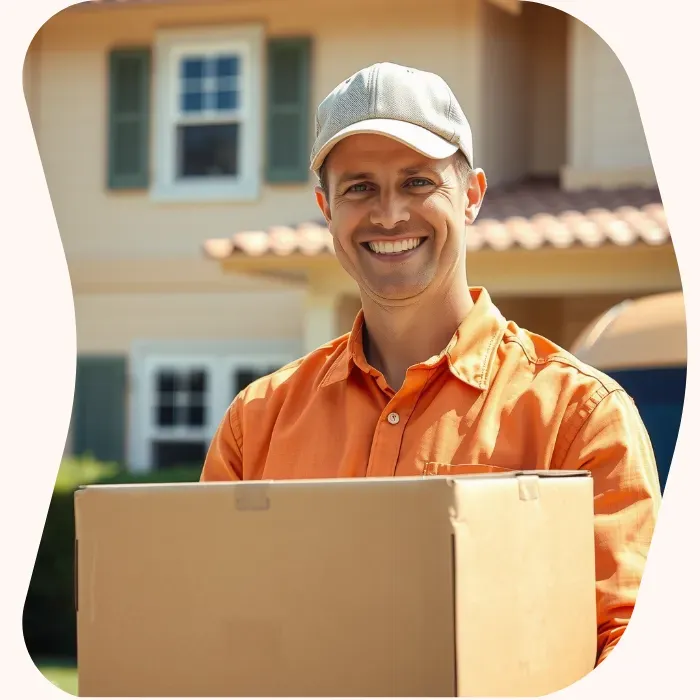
[(358, 187), (420, 182)]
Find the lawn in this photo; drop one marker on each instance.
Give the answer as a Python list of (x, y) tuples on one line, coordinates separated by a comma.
[(62, 675)]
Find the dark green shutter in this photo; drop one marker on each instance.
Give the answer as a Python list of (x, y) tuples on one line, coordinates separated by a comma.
[(99, 408), (129, 117), (288, 125)]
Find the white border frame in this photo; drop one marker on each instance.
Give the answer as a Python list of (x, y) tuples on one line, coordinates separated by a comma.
[(246, 40)]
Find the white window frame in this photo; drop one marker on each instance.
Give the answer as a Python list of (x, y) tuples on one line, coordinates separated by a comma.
[(152, 432), (221, 358), (246, 41)]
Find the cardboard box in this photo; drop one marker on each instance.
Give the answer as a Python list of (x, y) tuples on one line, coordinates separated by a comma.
[(476, 585)]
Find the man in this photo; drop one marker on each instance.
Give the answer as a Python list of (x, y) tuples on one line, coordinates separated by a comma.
[(432, 380)]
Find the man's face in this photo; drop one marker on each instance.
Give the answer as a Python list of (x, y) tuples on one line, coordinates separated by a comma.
[(398, 219)]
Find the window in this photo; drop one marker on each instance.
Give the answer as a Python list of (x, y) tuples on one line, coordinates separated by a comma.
[(181, 398), (180, 412), (181, 393), (208, 114)]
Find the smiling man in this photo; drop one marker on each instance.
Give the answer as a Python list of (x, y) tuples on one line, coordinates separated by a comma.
[(432, 379)]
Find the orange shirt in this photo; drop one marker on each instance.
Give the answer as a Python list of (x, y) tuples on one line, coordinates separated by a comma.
[(497, 398)]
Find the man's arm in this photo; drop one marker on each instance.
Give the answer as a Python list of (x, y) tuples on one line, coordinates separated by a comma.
[(614, 446), (224, 460)]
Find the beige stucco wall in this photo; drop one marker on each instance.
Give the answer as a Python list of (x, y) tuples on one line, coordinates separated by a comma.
[(547, 30), (506, 78), (606, 141), (560, 319), (523, 87), (71, 124), (108, 323)]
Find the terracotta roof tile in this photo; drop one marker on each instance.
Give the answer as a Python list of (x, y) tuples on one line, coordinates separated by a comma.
[(528, 216)]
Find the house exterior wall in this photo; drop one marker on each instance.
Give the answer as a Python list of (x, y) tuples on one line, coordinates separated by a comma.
[(606, 140), (523, 86), (560, 319), (548, 34), (506, 96), (71, 125), (108, 323)]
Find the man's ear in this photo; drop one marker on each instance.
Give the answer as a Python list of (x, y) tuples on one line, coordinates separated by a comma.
[(476, 189), (323, 205)]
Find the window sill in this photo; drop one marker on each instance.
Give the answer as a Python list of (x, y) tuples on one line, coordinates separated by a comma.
[(206, 192)]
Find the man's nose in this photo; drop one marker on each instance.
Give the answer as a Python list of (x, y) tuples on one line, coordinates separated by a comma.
[(390, 209)]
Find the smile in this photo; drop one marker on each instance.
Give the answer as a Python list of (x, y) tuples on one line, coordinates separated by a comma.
[(394, 247)]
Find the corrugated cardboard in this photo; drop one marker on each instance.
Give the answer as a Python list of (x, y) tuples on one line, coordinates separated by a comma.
[(475, 585)]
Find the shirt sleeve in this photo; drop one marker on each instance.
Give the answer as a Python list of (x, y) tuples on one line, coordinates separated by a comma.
[(224, 460), (613, 444)]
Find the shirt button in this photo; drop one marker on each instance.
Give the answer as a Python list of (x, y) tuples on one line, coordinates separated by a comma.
[(393, 418)]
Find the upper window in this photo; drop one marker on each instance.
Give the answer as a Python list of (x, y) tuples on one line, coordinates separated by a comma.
[(208, 114), (208, 125)]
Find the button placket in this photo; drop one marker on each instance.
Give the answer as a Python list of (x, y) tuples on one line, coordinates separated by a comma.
[(388, 434)]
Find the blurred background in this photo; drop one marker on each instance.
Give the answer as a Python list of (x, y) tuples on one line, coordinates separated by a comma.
[(175, 135)]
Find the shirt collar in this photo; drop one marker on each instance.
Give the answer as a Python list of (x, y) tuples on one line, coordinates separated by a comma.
[(469, 354)]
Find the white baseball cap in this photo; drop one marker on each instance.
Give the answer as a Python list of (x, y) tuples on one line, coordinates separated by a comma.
[(413, 107)]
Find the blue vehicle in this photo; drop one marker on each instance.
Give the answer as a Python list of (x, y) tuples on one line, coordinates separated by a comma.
[(642, 344)]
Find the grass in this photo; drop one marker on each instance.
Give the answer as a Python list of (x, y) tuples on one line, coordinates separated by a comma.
[(61, 674)]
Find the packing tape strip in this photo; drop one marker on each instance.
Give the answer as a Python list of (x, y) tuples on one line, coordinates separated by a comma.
[(529, 487), (252, 497)]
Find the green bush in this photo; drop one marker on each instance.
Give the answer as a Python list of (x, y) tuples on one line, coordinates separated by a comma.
[(49, 611)]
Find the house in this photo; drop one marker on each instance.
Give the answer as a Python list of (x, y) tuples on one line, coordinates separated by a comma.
[(174, 137)]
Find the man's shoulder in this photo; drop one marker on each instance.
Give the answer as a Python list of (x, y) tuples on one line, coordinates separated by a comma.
[(302, 375), (551, 362)]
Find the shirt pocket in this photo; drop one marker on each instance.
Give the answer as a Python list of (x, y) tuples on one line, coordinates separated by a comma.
[(446, 469)]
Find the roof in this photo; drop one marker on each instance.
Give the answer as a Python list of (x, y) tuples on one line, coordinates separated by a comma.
[(120, 3), (526, 216)]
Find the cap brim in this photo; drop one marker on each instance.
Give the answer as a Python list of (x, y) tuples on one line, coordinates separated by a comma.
[(416, 137)]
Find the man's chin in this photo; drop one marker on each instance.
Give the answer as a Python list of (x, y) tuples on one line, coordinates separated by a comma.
[(395, 293)]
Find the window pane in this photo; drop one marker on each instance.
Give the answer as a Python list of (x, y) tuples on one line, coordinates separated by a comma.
[(226, 100), (208, 150), (166, 381), (166, 415), (226, 66), (168, 454), (209, 84), (196, 416), (192, 68), (192, 102), (181, 398), (198, 381)]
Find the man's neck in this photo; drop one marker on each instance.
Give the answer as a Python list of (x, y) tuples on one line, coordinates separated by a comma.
[(398, 337)]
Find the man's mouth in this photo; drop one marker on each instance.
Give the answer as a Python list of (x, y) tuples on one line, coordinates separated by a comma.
[(393, 247)]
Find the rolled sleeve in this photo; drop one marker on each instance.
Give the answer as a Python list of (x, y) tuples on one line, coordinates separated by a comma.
[(613, 444)]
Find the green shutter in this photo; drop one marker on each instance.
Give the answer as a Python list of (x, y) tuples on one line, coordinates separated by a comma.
[(99, 408), (288, 79), (129, 117)]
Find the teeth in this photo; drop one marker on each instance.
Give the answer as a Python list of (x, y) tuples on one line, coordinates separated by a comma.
[(393, 247)]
